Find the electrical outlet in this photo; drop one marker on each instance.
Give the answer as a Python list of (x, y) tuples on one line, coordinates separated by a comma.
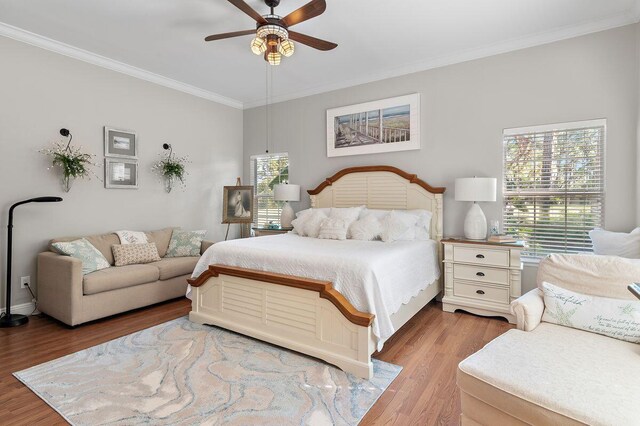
[(25, 281)]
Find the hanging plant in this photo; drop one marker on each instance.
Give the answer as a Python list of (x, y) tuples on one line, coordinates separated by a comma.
[(71, 161), (171, 168)]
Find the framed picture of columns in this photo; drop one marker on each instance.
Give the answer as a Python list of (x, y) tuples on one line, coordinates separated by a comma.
[(386, 125)]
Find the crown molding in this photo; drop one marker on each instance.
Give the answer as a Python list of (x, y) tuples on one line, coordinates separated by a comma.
[(630, 17), (46, 43)]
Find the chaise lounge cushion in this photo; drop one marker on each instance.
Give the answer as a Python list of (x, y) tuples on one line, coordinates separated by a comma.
[(171, 267), (556, 374), (119, 277)]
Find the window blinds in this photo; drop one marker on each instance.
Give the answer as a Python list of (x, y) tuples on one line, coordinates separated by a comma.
[(266, 172), (554, 186)]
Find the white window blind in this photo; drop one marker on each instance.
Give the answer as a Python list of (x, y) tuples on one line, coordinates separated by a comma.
[(267, 171), (554, 186)]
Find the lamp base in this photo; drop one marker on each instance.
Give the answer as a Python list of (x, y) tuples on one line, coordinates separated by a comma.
[(13, 320), (287, 216), (475, 223)]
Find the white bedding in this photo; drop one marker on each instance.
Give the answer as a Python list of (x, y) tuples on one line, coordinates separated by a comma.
[(375, 277)]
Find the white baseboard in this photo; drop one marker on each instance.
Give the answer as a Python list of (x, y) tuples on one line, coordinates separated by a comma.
[(24, 308)]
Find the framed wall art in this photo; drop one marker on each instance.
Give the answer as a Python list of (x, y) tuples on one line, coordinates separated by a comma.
[(237, 204), (120, 143), (120, 173), (386, 125)]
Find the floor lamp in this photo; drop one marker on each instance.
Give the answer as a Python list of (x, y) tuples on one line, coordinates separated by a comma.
[(9, 319)]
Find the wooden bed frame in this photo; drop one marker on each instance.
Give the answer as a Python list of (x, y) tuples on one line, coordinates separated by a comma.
[(310, 316)]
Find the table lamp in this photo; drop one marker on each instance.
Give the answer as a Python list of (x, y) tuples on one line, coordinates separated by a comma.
[(475, 189), (8, 319), (286, 192)]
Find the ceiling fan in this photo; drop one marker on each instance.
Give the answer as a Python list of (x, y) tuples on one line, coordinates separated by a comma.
[(273, 39)]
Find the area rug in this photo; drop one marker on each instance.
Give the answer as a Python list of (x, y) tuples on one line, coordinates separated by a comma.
[(189, 374)]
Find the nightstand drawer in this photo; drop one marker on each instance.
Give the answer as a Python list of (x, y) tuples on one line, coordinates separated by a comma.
[(481, 256), (481, 273), (481, 292)]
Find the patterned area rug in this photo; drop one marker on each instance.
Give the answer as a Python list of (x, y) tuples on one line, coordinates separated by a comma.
[(184, 373)]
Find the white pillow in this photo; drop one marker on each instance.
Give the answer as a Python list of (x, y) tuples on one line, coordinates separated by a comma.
[(617, 318), (333, 228), (366, 229), (312, 223), (348, 214), (298, 225), (305, 212), (398, 226), (616, 243), (132, 237), (423, 223)]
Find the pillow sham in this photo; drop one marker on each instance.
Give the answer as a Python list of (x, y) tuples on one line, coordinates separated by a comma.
[(92, 259), (131, 254), (621, 244), (366, 229), (398, 226), (348, 214), (423, 222), (616, 318), (132, 237), (312, 223), (185, 243), (298, 226), (333, 228)]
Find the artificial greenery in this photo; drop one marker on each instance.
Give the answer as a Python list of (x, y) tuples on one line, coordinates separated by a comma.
[(171, 168), (71, 161)]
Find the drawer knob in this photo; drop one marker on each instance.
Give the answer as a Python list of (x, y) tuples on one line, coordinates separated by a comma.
[(479, 256), (479, 291), (480, 274)]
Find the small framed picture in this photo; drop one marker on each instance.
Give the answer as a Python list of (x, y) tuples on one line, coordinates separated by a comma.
[(120, 173), (237, 204), (120, 143)]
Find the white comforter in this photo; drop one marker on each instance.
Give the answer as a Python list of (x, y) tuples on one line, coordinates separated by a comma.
[(375, 277)]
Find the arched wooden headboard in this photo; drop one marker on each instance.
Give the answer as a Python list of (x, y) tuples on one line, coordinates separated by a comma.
[(380, 187)]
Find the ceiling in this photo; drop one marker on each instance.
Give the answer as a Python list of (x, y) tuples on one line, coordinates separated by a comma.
[(162, 40)]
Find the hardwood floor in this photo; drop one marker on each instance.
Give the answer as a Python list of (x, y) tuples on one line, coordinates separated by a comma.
[(429, 347)]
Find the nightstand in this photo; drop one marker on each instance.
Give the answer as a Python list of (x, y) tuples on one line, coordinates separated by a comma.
[(481, 277), (259, 231)]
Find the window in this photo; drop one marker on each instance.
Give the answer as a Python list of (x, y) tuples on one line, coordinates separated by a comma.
[(267, 171), (554, 185)]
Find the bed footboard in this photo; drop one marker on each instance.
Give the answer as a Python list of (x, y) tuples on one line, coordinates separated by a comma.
[(302, 314)]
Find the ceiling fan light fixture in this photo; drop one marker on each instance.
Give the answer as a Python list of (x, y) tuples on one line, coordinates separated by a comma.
[(286, 48), (273, 58), (258, 46), (272, 29)]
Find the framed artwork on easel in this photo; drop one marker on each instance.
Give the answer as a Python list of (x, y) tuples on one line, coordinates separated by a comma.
[(237, 204)]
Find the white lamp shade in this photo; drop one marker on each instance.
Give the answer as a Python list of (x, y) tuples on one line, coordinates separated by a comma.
[(476, 189), (286, 192)]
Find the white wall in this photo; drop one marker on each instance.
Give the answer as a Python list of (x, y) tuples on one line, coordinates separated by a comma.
[(465, 107), (42, 92)]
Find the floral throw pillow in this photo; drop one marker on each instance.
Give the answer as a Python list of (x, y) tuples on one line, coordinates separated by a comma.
[(131, 254), (185, 243), (617, 318), (92, 259)]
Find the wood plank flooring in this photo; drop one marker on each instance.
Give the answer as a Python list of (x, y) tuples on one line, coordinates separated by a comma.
[(429, 347)]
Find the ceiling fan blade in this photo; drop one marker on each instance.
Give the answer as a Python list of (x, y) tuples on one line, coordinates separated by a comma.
[(240, 4), (316, 43), (229, 35), (308, 11)]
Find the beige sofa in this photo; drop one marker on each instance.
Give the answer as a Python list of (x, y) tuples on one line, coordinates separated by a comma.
[(65, 294), (548, 374)]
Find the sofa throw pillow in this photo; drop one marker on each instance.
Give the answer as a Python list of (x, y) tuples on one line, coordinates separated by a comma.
[(333, 229), (621, 244), (132, 237), (313, 222), (92, 259), (617, 318), (398, 226), (131, 254), (366, 229), (185, 243)]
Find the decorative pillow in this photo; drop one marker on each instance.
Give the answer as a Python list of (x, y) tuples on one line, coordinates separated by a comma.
[(132, 237), (398, 226), (333, 228), (367, 229), (617, 318), (298, 226), (348, 214), (185, 243), (92, 259), (130, 254), (616, 243), (423, 222), (313, 222)]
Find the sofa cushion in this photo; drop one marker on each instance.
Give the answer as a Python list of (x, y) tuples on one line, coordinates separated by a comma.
[(92, 259), (119, 277), (171, 267), (102, 242), (161, 238), (185, 243), (577, 374)]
